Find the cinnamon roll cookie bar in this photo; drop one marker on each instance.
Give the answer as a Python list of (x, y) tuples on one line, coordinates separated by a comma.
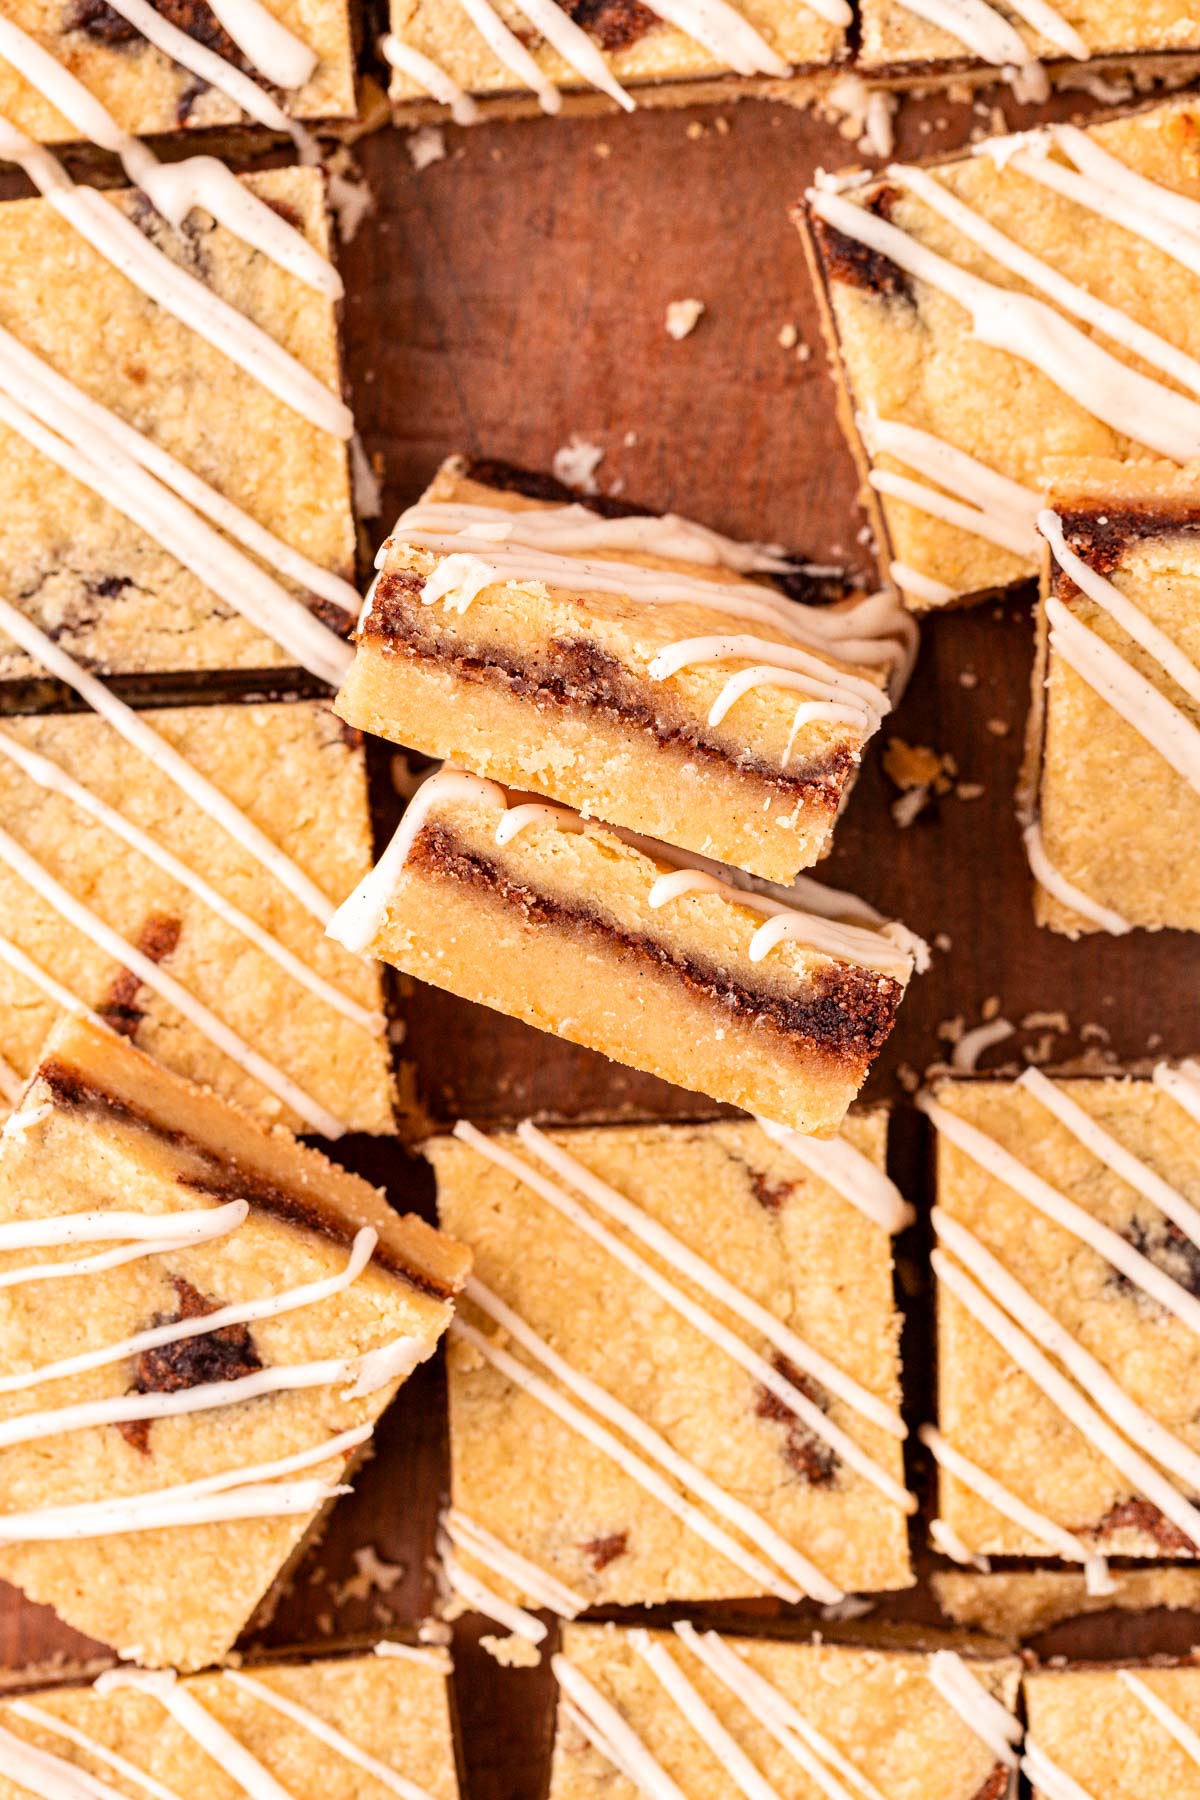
[(200, 1325), (1127, 1733), (744, 1439), (629, 948), (641, 669), (986, 312)]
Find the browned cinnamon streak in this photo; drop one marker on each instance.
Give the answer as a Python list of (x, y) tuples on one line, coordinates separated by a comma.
[(96, 19), (604, 1550), (996, 1786), (844, 1013), (855, 264), (1142, 1515), (226, 1354), (810, 1457), (120, 1008), (1103, 535)]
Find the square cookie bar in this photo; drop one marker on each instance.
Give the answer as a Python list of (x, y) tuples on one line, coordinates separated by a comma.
[(1113, 1733), (159, 1477), (702, 1714), (164, 68), (202, 939), (350, 1728), (175, 489), (1068, 1269), (605, 939), (903, 42), (1116, 701), (513, 57), (1028, 300), (744, 1437), (622, 665)]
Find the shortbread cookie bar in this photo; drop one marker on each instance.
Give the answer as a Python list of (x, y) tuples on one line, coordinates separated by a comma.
[(1028, 300), (1117, 687), (158, 1477), (1124, 1733), (618, 944), (180, 890), (350, 1728), (921, 40), (1067, 1268), (181, 425), (513, 57), (745, 1438), (159, 68), (623, 666), (709, 1716)]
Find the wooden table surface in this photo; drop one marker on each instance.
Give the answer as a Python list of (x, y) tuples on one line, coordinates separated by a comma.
[(503, 299)]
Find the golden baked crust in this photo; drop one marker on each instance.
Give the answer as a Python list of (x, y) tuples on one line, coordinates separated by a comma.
[(147, 92), (785, 1239), (1102, 1735), (102, 1121), (102, 588), (879, 1709), (295, 773), (394, 1709)]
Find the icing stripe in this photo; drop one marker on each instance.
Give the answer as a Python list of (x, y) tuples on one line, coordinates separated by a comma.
[(1172, 1722), (1181, 1084), (921, 587), (704, 1722), (49, 1776), (200, 1726), (37, 1715), (614, 1736), (511, 53), (1067, 1400), (1006, 501), (266, 42), (977, 25), (943, 1537), (854, 1176), (327, 1734), (430, 76), (1064, 891), (243, 1313), (979, 1709), (1019, 540), (826, 680), (1139, 1425), (133, 728), (15, 957), (1032, 331), (1051, 1782), (1116, 1250), (674, 1251), (152, 975), (482, 1599), (765, 1373), (48, 775), (689, 1475), (576, 48), (199, 60), (1155, 718), (197, 1227), (544, 1589), (1123, 1163), (219, 1220), (642, 1472), (1002, 1500)]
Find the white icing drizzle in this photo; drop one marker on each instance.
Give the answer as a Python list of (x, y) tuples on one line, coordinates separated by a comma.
[(266, 42), (1123, 1163), (199, 60), (250, 1492), (328, 1735), (1051, 1782), (1067, 1399), (732, 39), (1018, 540), (1172, 1722), (1064, 891), (431, 76), (1155, 718), (921, 587), (485, 1600), (175, 189), (15, 957), (1182, 1084), (943, 1537), (644, 1473), (854, 1176), (1133, 404), (677, 1254), (47, 774), (243, 1313), (1004, 1167), (511, 53), (155, 977), (612, 1734), (979, 1710), (977, 25), (519, 818), (995, 508), (153, 1235), (575, 47), (116, 238), (134, 729), (778, 665), (1139, 1425), (37, 1715), (48, 1775), (703, 1720), (1002, 1500), (820, 1759), (762, 1371), (200, 1726), (542, 1588), (689, 1475)]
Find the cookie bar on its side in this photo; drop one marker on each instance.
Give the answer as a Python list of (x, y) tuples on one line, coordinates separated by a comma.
[(160, 1476), (1113, 762), (624, 946), (740, 1434), (1125, 1733), (709, 1716), (344, 1728), (252, 999), (1068, 1269), (624, 665), (985, 312)]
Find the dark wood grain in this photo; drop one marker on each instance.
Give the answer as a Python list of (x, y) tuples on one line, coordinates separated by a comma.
[(501, 300)]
